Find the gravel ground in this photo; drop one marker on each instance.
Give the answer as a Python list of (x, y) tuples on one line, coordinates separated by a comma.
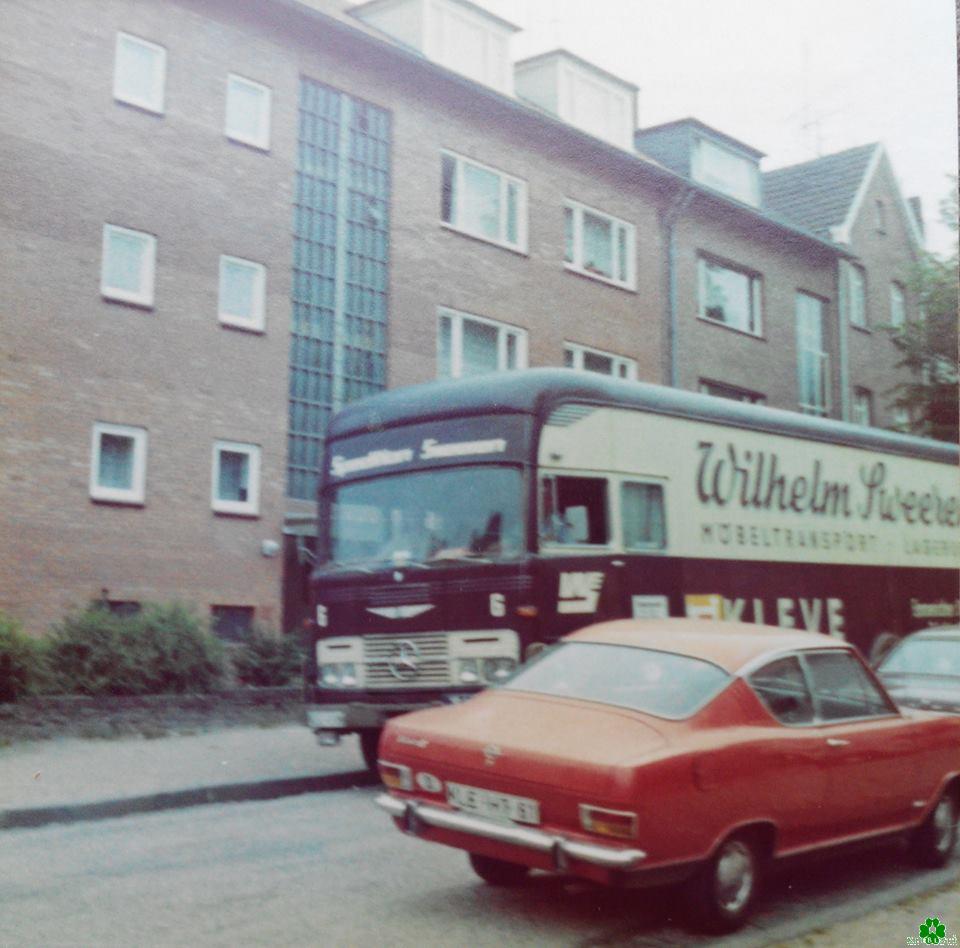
[(897, 925)]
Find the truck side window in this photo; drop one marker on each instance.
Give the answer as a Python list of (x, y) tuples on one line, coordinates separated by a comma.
[(641, 509), (574, 510)]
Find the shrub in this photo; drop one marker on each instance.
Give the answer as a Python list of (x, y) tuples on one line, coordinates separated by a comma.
[(178, 651), (22, 661), (266, 659), (161, 649)]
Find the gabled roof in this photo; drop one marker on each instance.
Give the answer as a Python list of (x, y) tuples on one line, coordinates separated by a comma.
[(819, 195)]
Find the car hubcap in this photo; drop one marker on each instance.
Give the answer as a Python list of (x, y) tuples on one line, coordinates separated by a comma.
[(943, 824), (734, 876)]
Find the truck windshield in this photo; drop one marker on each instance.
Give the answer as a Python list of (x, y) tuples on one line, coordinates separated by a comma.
[(469, 513)]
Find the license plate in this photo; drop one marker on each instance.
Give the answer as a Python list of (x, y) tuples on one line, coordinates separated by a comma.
[(494, 806)]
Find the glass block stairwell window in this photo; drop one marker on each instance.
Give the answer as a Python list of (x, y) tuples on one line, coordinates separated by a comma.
[(338, 335)]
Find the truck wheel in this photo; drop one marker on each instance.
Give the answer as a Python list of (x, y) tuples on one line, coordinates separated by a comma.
[(498, 871), (932, 844), (369, 742), (721, 894)]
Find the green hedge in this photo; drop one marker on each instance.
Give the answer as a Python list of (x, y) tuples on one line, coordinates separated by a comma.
[(164, 648), (22, 661), (266, 659)]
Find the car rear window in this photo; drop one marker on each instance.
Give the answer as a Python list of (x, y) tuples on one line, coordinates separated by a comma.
[(924, 657), (660, 683)]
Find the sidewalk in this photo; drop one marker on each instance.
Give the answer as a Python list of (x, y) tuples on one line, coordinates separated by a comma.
[(70, 779)]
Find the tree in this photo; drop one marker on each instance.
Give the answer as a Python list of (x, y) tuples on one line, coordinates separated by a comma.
[(928, 344)]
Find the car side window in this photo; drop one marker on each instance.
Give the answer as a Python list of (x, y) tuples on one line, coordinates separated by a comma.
[(782, 687), (842, 688)]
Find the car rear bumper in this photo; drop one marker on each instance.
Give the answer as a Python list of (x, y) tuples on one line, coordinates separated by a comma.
[(415, 817)]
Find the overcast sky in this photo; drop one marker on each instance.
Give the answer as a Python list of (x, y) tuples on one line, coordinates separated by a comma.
[(793, 78)]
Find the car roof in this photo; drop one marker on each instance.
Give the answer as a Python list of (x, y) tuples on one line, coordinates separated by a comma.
[(731, 645), (936, 632)]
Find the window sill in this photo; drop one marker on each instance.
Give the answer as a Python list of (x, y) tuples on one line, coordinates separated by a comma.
[(519, 251), (742, 332), (109, 500), (864, 329), (237, 325), (248, 143), (110, 296), (140, 106), (599, 278), (244, 514)]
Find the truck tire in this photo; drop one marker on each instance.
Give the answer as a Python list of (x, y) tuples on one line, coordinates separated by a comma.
[(369, 742)]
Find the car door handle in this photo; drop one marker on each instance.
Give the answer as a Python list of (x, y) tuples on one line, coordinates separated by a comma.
[(836, 742)]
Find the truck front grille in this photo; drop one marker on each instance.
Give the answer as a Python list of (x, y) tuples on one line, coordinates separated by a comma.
[(406, 661)]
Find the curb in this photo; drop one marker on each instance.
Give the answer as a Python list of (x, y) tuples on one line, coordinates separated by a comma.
[(33, 817)]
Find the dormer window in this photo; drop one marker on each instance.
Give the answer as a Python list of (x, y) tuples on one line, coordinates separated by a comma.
[(457, 34), (581, 94), (724, 170)]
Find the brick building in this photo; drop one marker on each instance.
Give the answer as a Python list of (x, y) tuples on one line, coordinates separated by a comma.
[(223, 220)]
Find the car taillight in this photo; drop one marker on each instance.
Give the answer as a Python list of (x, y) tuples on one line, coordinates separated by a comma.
[(395, 776), (616, 823)]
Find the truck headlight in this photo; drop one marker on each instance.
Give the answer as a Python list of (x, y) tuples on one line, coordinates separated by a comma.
[(468, 671), (338, 675), (496, 670)]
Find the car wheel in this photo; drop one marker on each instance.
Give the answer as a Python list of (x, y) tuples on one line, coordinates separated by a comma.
[(933, 843), (721, 894), (498, 871), (369, 743)]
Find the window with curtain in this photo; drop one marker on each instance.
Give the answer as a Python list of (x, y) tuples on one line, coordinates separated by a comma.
[(730, 296), (248, 112), (598, 245), (127, 265), (812, 361), (242, 292), (642, 515), (483, 202), (472, 345), (118, 463), (139, 73), (236, 478)]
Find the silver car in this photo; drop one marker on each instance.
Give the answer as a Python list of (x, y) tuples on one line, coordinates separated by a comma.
[(923, 671)]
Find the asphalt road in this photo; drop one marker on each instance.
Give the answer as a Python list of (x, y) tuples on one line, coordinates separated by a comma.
[(329, 869)]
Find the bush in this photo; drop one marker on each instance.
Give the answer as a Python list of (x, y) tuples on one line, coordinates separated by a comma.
[(266, 659), (22, 661), (164, 648)]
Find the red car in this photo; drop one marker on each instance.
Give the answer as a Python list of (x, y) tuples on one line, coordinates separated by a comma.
[(642, 752)]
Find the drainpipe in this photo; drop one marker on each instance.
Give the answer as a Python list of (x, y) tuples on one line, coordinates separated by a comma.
[(669, 219), (843, 308)]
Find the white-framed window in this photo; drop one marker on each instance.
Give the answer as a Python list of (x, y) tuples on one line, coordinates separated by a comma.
[(472, 345), (726, 171), (854, 293), (118, 463), (586, 359), (236, 478), (483, 202), (898, 305), (248, 112), (730, 296), (598, 245), (731, 392), (127, 265), (139, 73), (813, 362), (242, 293), (862, 407)]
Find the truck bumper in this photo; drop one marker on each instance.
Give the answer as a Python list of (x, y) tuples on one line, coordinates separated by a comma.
[(354, 716)]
